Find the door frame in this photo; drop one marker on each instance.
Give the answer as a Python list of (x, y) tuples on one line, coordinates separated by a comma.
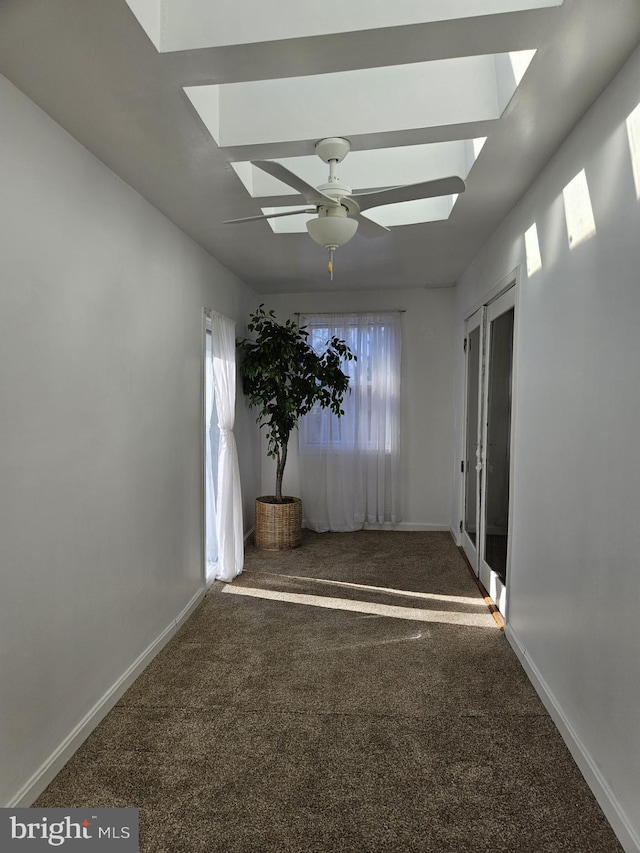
[(512, 280)]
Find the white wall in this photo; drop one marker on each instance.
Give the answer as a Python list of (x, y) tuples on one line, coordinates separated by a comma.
[(575, 574), (101, 303), (426, 396)]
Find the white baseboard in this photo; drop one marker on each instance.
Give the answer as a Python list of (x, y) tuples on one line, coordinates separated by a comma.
[(407, 525), (627, 836), (400, 525), (56, 761)]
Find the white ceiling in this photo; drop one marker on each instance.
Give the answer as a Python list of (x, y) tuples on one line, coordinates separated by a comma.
[(486, 89)]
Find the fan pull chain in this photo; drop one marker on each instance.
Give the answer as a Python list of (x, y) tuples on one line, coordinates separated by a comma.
[(330, 264)]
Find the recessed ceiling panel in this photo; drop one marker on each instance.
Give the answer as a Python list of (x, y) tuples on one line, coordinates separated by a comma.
[(91, 67), (389, 215), (192, 24), (295, 224), (380, 167), (363, 170), (633, 133), (372, 100), (149, 15), (413, 212)]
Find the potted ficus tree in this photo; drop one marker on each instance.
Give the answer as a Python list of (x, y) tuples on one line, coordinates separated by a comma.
[(284, 378)]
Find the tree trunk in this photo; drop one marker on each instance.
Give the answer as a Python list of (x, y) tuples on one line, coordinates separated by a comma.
[(281, 461)]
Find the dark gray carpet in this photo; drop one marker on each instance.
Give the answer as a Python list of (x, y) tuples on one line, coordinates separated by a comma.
[(404, 724)]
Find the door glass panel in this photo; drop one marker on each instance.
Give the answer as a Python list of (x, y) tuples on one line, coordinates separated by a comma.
[(499, 370), (470, 473)]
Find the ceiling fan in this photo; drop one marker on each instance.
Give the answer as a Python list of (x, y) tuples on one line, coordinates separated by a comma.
[(338, 210)]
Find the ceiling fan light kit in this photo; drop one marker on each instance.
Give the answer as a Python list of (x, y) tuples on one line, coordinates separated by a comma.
[(332, 227), (337, 208)]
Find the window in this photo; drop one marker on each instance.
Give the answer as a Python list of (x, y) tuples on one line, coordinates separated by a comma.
[(350, 464), (371, 419)]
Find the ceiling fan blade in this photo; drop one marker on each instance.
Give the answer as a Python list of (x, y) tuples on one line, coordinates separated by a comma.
[(269, 216), (410, 192), (368, 228), (276, 170)]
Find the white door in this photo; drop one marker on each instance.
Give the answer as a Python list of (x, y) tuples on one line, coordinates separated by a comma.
[(489, 342)]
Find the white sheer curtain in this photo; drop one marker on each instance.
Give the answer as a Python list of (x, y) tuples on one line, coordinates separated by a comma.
[(229, 531), (211, 441), (351, 465)]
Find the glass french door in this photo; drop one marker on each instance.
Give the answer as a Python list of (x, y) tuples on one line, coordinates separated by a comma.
[(471, 466), (487, 462)]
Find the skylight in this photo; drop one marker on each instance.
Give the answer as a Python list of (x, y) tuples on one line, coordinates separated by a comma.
[(390, 215), (365, 170), (379, 167), (192, 24), (633, 132), (478, 145), (287, 224), (520, 61), (578, 211), (413, 212), (452, 91), (407, 101)]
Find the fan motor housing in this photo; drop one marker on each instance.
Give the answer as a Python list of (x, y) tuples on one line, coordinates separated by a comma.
[(342, 194)]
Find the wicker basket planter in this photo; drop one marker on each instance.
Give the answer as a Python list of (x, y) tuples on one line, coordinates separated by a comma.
[(278, 525)]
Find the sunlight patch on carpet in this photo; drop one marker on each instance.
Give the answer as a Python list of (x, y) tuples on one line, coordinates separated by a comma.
[(416, 614), (431, 596)]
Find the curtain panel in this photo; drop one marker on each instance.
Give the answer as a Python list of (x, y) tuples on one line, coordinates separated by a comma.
[(351, 465), (228, 504), (211, 439)]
